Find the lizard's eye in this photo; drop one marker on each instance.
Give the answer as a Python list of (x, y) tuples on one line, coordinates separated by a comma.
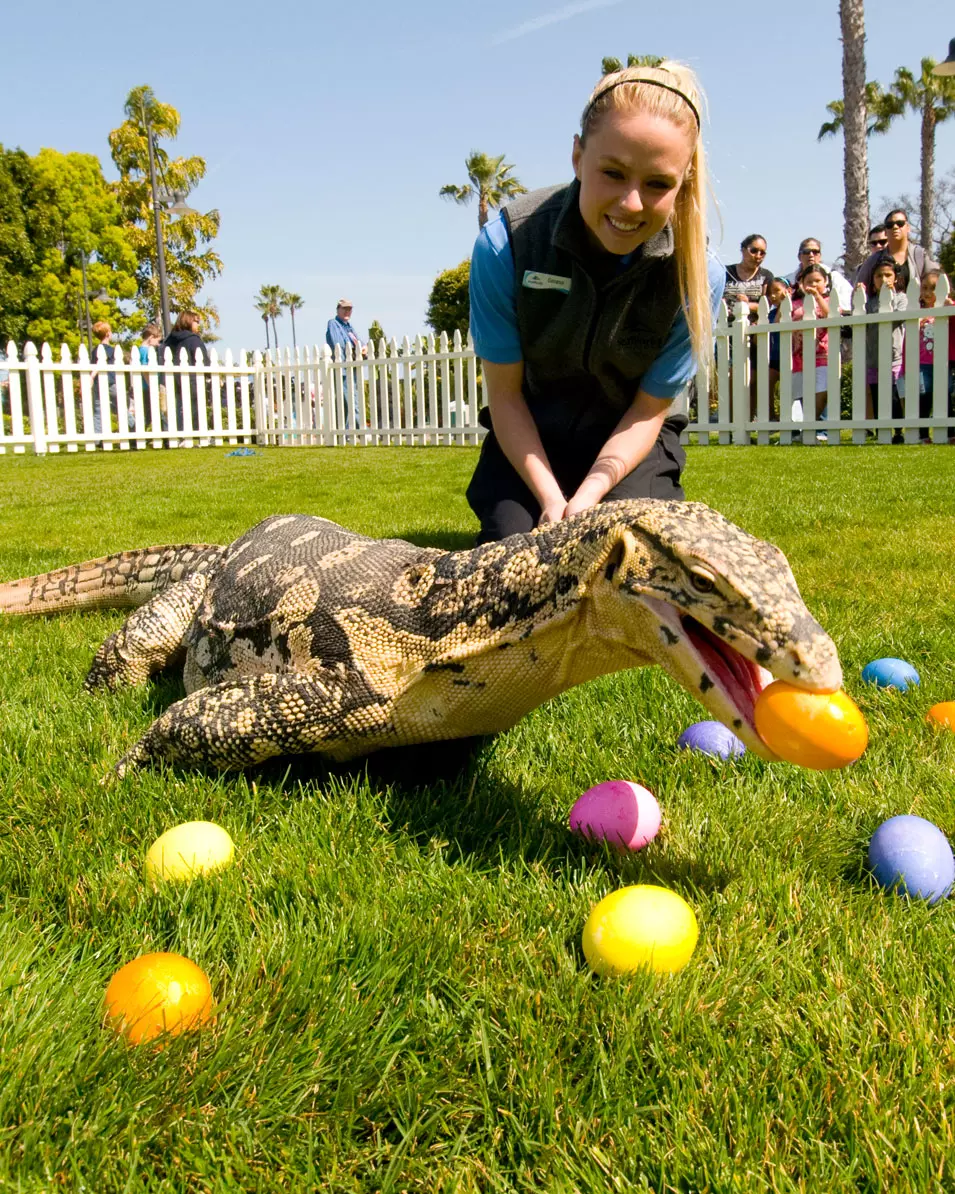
[(703, 582)]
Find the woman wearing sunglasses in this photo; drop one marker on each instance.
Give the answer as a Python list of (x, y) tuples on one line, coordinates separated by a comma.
[(747, 282), (911, 261)]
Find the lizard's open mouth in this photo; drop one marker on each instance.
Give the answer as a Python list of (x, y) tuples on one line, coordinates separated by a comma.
[(722, 679), (740, 678)]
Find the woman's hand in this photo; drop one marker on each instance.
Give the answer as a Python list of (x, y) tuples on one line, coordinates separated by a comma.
[(554, 512)]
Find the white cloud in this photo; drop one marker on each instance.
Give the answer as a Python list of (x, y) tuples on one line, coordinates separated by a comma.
[(552, 18)]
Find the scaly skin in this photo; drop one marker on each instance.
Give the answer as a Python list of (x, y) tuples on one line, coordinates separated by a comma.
[(302, 636)]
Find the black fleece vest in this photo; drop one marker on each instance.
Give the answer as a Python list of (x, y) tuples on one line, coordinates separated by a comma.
[(588, 332)]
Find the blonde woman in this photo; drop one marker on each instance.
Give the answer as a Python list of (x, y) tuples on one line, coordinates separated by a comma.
[(591, 307)]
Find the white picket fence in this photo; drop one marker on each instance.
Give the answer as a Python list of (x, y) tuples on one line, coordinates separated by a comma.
[(720, 400), (427, 391)]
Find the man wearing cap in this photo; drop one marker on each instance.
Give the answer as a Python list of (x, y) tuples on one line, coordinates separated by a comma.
[(340, 333)]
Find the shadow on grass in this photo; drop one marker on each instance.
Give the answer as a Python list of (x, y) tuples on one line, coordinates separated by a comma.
[(448, 791)]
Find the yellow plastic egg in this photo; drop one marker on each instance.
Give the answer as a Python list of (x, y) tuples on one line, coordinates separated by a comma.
[(194, 848), (942, 715), (639, 926), (157, 993), (821, 730)]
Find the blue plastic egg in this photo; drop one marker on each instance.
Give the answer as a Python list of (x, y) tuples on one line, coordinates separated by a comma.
[(890, 673), (911, 856), (711, 738)]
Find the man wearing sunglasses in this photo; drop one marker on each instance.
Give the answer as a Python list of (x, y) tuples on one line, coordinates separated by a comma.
[(810, 253), (878, 238), (911, 260)]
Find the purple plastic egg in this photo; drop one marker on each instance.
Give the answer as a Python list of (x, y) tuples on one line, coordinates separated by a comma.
[(617, 811), (711, 738)]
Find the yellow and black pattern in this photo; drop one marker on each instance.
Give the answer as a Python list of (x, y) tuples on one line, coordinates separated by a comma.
[(302, 636)]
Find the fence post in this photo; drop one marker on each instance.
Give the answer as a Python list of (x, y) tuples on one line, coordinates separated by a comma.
[(258, 396), (35, 398), (740, 374)]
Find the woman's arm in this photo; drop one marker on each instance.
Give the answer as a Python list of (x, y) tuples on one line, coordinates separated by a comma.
[(519, 438), (630, 443)]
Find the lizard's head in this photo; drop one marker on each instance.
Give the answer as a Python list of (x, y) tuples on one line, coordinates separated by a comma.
[(725, 615)]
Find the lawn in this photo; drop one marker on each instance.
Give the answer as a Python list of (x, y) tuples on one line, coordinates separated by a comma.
[(402, 1002)]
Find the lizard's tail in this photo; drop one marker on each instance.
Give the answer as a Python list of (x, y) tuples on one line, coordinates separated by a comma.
[(128, 578)]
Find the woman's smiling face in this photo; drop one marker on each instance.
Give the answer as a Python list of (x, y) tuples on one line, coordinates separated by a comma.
[(630, 171)]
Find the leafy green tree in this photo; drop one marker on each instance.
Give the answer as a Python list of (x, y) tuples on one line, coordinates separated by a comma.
[(292, 303), (491, 182), (16, 247), (609, 65), (449, 306), (376, 334), (190, 262), (66, 210)]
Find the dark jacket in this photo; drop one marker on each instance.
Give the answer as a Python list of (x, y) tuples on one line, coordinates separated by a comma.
[(585, 344), (191, 342)]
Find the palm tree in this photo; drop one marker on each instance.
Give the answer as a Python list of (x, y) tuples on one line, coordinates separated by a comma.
[(878, 116), (609, 65), (855, 159), (933, 97), (294, 302), (491, 182), (269, 302), (263, 308)]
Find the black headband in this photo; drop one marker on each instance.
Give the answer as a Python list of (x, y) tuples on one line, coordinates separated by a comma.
[(653, 83)]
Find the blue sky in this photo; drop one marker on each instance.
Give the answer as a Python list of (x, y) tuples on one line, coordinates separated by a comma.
[(329, 130)]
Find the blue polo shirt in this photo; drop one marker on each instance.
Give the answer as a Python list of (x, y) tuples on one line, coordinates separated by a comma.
[(494, 328)]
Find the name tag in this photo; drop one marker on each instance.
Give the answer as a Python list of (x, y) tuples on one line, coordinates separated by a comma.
[(536, 281)]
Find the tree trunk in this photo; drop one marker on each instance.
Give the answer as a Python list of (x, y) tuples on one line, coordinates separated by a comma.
[(291, 312), (265, 320), (275, 334), (928, 173), (482, 210), (856, 167)]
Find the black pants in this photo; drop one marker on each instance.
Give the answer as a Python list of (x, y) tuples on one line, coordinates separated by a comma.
[(505, 506)]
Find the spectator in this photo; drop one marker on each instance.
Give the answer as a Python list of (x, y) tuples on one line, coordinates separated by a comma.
[(777, 292), (885, 274), (102, 331), (746, 282), (878, 239), (911, 260), (151, 337), (185, 336), (810, 253), (927, 298), (812, 288), (341, 334)]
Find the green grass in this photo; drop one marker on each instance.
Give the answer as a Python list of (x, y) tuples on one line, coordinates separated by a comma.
[(402, 1000)]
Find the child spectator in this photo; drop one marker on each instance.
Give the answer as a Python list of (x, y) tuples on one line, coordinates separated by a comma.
[(884, 274), (812, 287), (776, 292), (927, 298)]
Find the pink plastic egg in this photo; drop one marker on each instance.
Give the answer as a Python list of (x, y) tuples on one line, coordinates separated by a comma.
[(619, 812)]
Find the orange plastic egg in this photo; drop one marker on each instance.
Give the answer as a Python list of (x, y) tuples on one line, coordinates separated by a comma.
[(822, 730), (157, 993), (942, 715)]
